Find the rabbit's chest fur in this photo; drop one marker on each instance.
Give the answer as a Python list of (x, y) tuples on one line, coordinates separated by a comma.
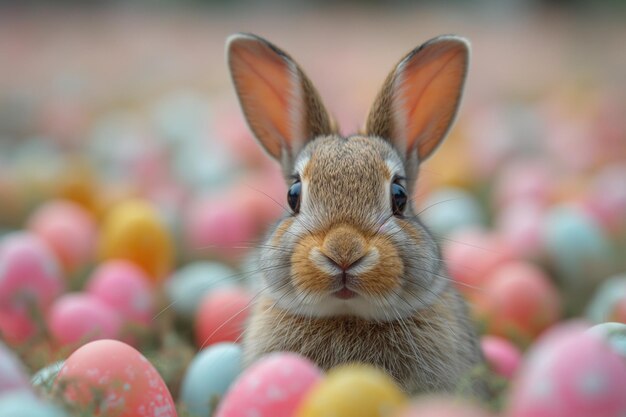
[(433, 351)]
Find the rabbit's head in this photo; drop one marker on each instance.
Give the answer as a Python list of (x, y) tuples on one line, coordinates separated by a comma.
[(352, 243)]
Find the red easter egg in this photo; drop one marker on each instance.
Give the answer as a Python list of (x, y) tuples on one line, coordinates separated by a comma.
[(502, 356), (519, 301), (471, 254), (68, 229), (111, 378), (221, 316)]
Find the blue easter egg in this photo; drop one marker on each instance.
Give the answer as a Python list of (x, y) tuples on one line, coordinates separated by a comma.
[(25, 404), (576, 246), (601, 306), (187, 286), (209, 376), (450, 209)]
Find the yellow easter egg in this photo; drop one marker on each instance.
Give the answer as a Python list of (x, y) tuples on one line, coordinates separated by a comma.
[(353, 391), (133, 231)]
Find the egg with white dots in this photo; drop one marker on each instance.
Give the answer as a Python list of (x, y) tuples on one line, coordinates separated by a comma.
[(208, 377), (274, 386), (569, 372), (113, 377)]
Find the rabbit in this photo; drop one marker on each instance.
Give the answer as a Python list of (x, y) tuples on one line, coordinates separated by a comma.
[(351, 274)]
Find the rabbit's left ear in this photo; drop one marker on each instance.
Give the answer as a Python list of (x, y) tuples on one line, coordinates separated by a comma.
[(420, 97)]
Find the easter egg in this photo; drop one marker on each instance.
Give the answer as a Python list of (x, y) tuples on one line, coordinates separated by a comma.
[(569, 373), (25, 404), (612, 333), (134, 231), (576, 246), (605, 305), (524, 181), (208, 377), (44, 377), (187, 286), (471, 255), (68, 229), (519, 301), (606, 199), (274, 386), (125, 288), (218, 226), (263, 195), (520, 225), (450, 209), (107, 375), (221, 316), (502, 356), (353, 391), (30, 279), (78, 318), (12, 373), (441, 406)]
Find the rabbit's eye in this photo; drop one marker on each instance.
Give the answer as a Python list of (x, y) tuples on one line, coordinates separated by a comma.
[(398, 198), (293, 196)]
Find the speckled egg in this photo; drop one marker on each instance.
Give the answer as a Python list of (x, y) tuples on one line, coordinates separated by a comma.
[(134, 231), (502, 356), (442, 406), (68, 229), (78, 318), (125, 288), (25, 404), (12, 373), (209, 376), (189, 285), (353, 391), (569, 373), (221, 316), (519, 301), (272, 387), (29, 277), (450, 209), (122, 380), (606, 301)]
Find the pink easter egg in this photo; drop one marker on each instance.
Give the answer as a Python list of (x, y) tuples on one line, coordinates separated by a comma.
[(606, 198), (124, 287), (442, 406), (264, 196), (79, 318), (569, 373), (30, 279), (520, 225), (68, 229), (221, 316), (272, 387), (502, 356), (471, 254), (519, 301), (13, 376), (524, 180), (110, 376), (218, 226)]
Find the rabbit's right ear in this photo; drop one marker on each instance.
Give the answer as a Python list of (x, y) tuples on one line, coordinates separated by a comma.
[(282, 107)]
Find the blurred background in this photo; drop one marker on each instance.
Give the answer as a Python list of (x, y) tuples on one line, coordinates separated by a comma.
[(119, 112)]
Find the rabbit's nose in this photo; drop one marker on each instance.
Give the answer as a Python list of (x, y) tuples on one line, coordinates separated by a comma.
[(344, 246)]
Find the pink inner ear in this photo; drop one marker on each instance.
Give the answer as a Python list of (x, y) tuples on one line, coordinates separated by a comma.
[(429, 87), (265, 85)]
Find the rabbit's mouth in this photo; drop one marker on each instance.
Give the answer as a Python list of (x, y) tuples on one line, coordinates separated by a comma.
[(345, 293)]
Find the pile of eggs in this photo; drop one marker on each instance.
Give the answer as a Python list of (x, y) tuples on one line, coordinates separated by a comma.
[(127, 267)]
